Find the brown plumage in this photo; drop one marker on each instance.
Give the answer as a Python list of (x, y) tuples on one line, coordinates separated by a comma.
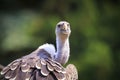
[(32, 68)]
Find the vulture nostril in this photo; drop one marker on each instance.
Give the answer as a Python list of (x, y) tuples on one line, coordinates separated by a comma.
[(64, 28)]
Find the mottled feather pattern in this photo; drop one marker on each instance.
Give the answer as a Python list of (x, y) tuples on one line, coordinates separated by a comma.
[(40, 69), (72, 73)]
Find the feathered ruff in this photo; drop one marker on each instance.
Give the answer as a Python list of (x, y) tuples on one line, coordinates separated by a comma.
[(49, 48)]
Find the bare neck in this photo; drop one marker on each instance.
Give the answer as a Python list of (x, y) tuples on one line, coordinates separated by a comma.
[(63, 50)]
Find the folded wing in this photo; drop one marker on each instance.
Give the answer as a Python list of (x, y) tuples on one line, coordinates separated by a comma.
[(32, 68)]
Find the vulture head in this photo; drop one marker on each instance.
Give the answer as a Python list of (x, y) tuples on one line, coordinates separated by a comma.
[(63, 29)]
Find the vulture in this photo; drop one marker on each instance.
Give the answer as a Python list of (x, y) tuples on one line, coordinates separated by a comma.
[(45, 63)]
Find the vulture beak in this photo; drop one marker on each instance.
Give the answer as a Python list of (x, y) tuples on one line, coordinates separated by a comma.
[(64, 26)]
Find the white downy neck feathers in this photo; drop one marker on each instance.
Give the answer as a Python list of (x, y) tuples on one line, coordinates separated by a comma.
[(49, 48)]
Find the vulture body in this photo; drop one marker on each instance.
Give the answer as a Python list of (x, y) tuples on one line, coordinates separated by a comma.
[(45, 63)]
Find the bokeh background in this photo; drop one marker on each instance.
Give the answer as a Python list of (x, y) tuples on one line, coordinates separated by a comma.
[(95, 38)]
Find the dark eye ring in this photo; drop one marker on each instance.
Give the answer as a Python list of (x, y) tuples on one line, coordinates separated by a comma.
[(68, 24), (59, 25)]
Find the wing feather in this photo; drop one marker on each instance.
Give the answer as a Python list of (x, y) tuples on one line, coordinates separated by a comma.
[(8, 74), (50, 67), (6, 69), (59, 76), (44, 70), (39, 76), (25, 68), (34, 68), (14, 65), (38, 64)]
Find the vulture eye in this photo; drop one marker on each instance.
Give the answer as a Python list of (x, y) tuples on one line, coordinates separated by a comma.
[(59, 25), (68, 25)]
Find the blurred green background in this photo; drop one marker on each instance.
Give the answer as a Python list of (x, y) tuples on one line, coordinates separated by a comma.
[(95, 38)]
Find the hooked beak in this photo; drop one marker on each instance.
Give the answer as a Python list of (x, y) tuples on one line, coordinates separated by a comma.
[(64, 27)]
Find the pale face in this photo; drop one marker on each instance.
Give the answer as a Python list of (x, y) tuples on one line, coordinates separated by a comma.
[(63, 28)]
